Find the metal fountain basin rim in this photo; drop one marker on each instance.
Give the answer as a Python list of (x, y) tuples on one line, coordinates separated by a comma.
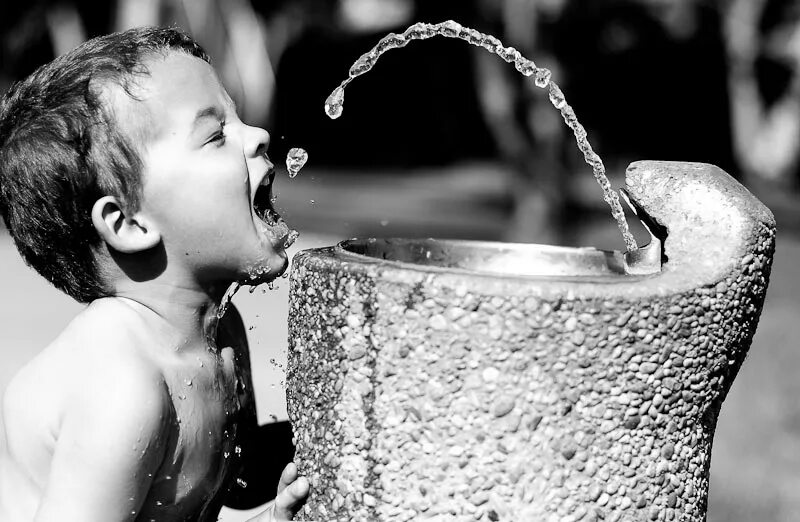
[(526, 260), (513, 260)]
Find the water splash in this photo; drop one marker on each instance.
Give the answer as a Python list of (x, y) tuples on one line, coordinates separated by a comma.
[(295, 160), (334, 104), (291, 238), (226, 300)]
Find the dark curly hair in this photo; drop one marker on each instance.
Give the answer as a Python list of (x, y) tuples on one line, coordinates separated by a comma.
[(61, 150)]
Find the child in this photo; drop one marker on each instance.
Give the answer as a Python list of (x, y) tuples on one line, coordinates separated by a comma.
[(129, 182)]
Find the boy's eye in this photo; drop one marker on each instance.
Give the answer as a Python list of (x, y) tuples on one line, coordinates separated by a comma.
[(218, 137)]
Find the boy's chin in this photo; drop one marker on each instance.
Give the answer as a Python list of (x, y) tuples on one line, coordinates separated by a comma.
[(266, 270)]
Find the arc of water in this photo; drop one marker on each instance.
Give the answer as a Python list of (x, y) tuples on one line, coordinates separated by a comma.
[(334, 104)]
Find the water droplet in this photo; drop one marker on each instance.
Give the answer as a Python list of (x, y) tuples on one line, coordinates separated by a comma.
[(226, 454), (509, 54), (334, 105), (419, 31), (159, 503), (449, 28), (362, 65), (542, 77), (241, 483), (238, 450), (556, 96), (253, 289), (293, 235), (472, 36), (490, 43), (524, 66), (188, 382), (295, 160), (312, 201), (390, 41)]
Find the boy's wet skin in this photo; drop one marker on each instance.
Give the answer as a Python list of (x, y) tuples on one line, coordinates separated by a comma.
[(139, 410), (178, 439)]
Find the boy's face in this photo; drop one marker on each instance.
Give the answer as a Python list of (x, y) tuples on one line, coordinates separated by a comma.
[(202, 169)]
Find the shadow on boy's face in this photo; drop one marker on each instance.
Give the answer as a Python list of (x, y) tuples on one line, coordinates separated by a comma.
[(144, 265)]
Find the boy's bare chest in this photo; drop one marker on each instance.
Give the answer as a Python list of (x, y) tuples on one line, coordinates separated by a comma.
[(203, 453)]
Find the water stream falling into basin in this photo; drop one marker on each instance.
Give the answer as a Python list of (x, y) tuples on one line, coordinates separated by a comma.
[(334, 104)]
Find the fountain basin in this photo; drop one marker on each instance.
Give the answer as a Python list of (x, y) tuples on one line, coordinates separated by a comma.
[(453, 380)]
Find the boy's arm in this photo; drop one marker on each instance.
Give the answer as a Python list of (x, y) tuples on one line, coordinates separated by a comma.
[(110, 444)]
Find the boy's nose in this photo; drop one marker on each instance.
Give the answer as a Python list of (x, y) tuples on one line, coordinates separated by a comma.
[(256, 141)]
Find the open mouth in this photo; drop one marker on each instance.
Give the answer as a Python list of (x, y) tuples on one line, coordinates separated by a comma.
[(262, 202), (275, 226)]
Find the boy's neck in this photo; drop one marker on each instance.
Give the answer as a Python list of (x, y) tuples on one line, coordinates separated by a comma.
[(189, 314)]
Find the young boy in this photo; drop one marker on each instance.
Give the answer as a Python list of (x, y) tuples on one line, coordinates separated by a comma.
[(129, 182)]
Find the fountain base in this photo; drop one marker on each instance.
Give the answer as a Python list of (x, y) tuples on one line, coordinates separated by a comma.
[(427, 382)]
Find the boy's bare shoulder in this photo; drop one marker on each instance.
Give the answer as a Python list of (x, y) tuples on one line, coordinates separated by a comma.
[(92, 404), (108, 335), (95, 363)]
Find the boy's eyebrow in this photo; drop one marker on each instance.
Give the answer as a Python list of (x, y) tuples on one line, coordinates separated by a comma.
[(212, 111), (208, 112)]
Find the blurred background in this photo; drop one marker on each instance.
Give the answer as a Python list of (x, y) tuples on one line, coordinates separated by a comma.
[(443, 139)]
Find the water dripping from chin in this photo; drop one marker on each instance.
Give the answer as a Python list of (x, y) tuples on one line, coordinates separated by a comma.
[(226, 301)]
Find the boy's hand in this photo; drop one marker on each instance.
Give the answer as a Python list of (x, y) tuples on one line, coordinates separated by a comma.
[(292, 490)]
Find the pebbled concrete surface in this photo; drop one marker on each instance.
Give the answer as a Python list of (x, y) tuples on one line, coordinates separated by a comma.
[(423, 394)]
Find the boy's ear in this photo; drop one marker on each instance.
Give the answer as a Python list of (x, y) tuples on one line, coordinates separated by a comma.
[(124, 233)]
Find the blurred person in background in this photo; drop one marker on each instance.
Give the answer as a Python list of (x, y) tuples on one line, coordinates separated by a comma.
[(763, 46)]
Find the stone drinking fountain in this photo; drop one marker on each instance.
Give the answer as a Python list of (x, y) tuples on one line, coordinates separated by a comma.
[(461, 380)]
